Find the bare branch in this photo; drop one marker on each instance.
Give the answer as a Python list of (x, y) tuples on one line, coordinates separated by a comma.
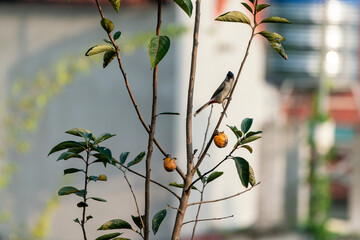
[(136, 203), (207, 130), (208, 219), (225, 198), (153, 181), (198, 211)]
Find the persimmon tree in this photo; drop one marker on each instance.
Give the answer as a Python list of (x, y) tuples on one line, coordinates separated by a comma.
[(91, 151)]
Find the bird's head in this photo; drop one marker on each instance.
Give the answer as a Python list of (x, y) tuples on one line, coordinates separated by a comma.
[(229, 76)]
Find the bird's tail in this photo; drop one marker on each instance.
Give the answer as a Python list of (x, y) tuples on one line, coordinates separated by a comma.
[(202, 108)]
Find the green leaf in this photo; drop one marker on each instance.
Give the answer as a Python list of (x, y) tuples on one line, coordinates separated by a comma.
[(115, 224), (108, 236), (68, 155), (98, 49), (237, 133), (203, 179), (77, 149), (168, 113), (115, 4), (271, 37), (250, 139), (213, 176), (261, 7), (246, 124), (104, 151), (252, 1), (67, 190), (123, 157), (107, 41), (108, 57), (137, 159), (80, 193), (107, 25), (249, 134), (275, 20), (252, 180), (158, 47), (279, 48), (117, 35), (93, 178), (98, 199), (76, 220), (137, 220), (247, 7), (234, 16), (248, 148), (180, 185), (103, 137), (157, 220), (185, 5), (66, 145), (89, 217), (72, 170), (82, 204), (242, 167)]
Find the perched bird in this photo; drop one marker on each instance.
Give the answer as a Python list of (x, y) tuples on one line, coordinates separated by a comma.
[(221, 94)]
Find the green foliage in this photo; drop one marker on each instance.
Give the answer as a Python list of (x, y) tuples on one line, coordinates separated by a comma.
[(213, 176), (90, 145), (275, 20), (115, 224), (115, 4), (137, 159), (260, 7), (243, 170), (246, 124), (108, 57), (157, 220), (185, 5), (137, 220), (98, 49), (247, 7), (158, 47), (108, 236), (107, 25), (234, 16)]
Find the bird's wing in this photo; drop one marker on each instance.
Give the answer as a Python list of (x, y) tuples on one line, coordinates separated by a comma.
[(220, 88)]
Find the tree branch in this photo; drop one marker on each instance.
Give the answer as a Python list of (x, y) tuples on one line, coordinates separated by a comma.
[(153, 181), (208, 219), (225, 198)]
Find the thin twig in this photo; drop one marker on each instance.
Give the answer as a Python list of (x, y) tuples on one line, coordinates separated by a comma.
[(153, 181), (225, 198), (207, 129), (151, 134), (136, 203), (198, 212), (173, 207), (208, 219), (132, 98)]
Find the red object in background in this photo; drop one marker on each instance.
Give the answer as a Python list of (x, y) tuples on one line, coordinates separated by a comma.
[(219, 7), (342, 107)]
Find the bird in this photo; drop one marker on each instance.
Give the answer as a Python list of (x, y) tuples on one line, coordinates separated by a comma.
[(221, 93)]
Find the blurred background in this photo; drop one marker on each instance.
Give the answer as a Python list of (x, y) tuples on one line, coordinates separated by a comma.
[(308, 160)]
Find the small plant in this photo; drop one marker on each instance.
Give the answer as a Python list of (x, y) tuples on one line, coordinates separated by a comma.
[(90, 152)]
